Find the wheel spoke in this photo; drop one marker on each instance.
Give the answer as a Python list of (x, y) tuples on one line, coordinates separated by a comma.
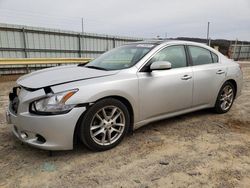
[(104, 137), (117, 115), (119, 124), (93, 127), (98, 116), (116, 130), (222, 99), (113, 112), (104, 114), (223, 105), (98, 132), (230, 91), (109, 136)]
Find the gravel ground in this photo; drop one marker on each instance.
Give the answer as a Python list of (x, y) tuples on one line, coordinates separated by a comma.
[(200, 149)]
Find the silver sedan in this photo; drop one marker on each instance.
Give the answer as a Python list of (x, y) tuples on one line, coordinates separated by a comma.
[(121, 90)]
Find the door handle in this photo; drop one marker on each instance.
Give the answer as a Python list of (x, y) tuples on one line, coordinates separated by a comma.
[(186, 77), (220, 72)]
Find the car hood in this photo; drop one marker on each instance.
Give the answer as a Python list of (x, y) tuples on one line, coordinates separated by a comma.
[(59, 75)]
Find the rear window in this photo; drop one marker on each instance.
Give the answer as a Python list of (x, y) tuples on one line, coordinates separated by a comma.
[(200, 56)]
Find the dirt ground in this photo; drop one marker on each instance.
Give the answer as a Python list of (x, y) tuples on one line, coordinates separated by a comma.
[(200, 149)]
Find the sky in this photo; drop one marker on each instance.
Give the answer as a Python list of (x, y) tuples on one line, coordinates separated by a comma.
[(229, 19)]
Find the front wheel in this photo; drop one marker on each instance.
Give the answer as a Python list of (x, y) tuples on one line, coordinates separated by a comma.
[(225, 98), (104, 125)]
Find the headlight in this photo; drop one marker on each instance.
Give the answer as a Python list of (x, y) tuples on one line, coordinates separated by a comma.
[(53, 103)]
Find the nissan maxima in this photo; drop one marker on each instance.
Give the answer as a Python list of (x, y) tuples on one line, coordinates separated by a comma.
[(121, 90)]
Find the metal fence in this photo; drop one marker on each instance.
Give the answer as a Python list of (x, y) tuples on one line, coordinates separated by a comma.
[(13, 66), (30, 42), (240, 52)]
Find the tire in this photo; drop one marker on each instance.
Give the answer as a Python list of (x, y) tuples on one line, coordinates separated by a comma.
[(226, 95), (101, 131)]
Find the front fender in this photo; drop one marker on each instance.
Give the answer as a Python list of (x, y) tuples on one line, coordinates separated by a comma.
[(90, 92)]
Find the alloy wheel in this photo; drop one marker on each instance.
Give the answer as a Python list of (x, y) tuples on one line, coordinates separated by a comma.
[(107, 125), (226, 98)]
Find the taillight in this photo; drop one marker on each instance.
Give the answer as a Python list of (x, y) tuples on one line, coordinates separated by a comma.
[(240, 65)]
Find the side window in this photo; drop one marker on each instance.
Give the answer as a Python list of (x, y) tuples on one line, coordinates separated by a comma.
[(176, 55), (215, 57), (200, 56)]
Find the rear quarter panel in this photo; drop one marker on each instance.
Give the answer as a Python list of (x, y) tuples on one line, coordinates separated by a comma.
[(234, 72)]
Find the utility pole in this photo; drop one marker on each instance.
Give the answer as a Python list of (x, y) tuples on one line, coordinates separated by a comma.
[(209, 42), (82, 26), (208, 24), (166, 35), (81, 43)]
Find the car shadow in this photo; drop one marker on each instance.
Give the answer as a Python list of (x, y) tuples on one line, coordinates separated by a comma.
[(80, 149), (179, 118)]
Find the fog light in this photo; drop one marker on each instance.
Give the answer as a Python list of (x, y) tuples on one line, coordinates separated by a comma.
[(40, 138), (24, 135)]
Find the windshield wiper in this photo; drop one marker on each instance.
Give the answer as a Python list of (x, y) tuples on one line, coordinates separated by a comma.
[(94, 67)]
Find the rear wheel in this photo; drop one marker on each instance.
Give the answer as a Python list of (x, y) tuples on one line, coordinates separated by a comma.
[(225, 98), (104, 125)]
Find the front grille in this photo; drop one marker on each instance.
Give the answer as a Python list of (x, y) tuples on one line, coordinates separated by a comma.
[(13, 97), (14, 104)]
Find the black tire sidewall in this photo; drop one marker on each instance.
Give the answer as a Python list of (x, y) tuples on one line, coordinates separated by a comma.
[(217, 107), (87, 119)]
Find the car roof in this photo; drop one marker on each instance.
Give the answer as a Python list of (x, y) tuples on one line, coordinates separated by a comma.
[(153, 42), (168, 42), (159, 42)]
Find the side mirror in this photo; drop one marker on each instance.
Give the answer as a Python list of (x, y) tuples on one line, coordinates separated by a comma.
[(160, 65)]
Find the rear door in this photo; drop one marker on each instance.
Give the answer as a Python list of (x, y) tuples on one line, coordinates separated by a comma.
[(166, 91), (208, 74)]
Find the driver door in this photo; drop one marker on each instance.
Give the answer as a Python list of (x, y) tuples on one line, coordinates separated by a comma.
[(166, 91)]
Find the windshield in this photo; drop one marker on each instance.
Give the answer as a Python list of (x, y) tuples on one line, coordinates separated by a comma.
[(120, 58)]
